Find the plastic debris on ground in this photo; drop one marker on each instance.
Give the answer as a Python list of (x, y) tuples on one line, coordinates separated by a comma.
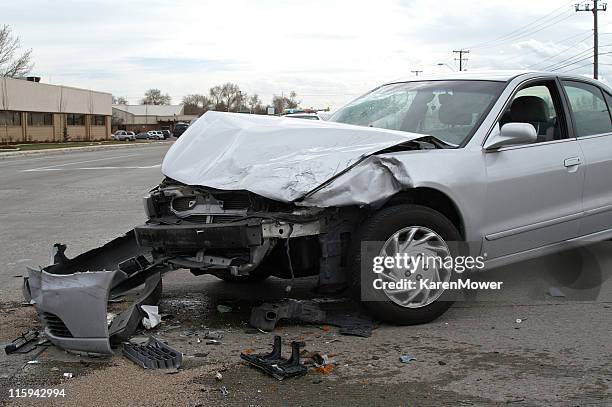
[(325, 369), (213, 335), (274, 364), (321, 360), (224, 391), (218, 376), (139, 340), (68, 375), (23, 344), (555, 292), (153, 355), (224, 308), (407, 358), (344, 314), (152, 319)]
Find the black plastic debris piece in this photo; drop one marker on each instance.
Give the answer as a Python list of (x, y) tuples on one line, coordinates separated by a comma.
[(126, 323), (275, 365), (267, 315), (344, 314), (154, 355), (24, 344)]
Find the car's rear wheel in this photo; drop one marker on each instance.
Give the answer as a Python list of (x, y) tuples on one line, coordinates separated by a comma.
[(417, 231)]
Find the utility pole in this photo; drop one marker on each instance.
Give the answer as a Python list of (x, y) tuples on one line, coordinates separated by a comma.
[(461, 59), (416, 73), (594, 9)]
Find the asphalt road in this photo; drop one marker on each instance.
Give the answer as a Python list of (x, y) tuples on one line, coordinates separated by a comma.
[(82, 199), (476, 354)]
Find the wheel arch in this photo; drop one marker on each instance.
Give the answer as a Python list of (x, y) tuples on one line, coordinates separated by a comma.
[(434, 199)]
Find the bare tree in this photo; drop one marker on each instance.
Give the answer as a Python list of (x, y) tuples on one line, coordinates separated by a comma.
[(155, 97), (281, 103), (215, 96), (120, 100), (254, 103), (231, 96), (13, 63), (197, 100)]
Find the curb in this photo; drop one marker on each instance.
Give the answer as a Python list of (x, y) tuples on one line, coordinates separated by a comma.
[(57, 151)]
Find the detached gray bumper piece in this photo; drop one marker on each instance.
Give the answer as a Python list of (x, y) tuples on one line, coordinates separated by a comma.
[(71, 295)]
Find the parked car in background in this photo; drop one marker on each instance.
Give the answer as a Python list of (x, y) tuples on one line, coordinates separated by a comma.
[(155, 135), (166, 133), (122, 135), (142, 135), (180, 128), (307, 116)]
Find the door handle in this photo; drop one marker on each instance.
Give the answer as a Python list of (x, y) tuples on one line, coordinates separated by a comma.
[(572, 161)]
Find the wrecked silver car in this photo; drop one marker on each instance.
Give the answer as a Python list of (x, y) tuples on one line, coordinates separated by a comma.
[(498, 161)]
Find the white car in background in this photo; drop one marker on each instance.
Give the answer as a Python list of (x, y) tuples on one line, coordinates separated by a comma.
[(122, 135), (156, 135), (303, 115)]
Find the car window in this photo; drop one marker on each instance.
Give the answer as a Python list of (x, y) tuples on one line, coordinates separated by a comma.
[(448, 110), (535, 104), (591, 115)]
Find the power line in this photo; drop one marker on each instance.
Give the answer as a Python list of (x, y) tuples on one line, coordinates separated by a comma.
[(521, 28), (571, 63), (584, 37), (563, 61), (528, 33), (578, 67), (580, 60)]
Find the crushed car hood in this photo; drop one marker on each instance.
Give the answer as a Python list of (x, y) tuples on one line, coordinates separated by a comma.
[(278, 158)]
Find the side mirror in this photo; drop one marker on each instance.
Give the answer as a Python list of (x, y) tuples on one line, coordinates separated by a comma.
[(511, 134)]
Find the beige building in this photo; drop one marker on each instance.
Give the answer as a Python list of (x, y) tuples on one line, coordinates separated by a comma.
[(37, 112), (139, 118)]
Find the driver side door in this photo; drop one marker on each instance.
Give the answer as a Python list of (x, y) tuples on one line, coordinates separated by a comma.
[(533, 196)]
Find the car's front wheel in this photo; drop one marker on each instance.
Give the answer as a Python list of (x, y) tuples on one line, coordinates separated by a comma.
[(392, 232)]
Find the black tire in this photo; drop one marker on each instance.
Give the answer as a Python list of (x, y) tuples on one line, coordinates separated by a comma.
[(378, 228), (251, 278)]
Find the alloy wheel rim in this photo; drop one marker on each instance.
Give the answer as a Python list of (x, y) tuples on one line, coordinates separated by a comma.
[(416, 241)]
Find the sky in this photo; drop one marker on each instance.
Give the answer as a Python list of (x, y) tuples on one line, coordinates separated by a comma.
[(328, 52)]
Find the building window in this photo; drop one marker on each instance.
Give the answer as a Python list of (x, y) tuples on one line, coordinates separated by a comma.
[(10, 118), (74, 119), (40, 119), (98, 120)]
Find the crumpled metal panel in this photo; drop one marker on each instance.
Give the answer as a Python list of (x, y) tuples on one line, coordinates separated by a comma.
[(278, 158), (372, 180)]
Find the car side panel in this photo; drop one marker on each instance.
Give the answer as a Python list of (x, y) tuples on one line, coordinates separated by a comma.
[(532, 198), (597, 193)]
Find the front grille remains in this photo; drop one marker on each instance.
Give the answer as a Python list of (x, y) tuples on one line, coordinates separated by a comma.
[(182, 203), (235, 201), (56, 325), (213, 218)]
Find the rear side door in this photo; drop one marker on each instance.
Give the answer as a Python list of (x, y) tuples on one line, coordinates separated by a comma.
[(590, 111), (533, 196)]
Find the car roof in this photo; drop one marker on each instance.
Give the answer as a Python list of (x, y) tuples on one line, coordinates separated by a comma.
[(493, 75)]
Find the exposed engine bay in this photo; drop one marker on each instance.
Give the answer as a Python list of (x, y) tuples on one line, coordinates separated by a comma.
[(241, 234)]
